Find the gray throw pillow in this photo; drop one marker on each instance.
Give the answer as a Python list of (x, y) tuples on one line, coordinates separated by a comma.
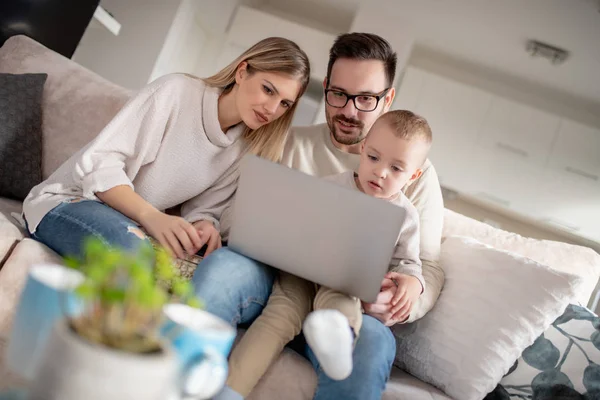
[(20, 133)]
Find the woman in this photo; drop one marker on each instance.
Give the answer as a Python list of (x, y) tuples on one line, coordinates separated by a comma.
[(177, 141)]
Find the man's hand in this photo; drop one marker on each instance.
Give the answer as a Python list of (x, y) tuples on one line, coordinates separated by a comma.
[(209, 235)]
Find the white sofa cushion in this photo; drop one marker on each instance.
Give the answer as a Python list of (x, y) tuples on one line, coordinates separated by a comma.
[(565, 257), (494, 304), (10, 231)]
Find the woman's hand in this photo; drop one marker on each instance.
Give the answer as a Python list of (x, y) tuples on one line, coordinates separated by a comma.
[(174, 233), (209, 235)]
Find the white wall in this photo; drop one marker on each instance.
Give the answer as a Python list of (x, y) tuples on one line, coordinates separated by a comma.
[(401, 37), (214, 17), (184, 44), (129, 58)]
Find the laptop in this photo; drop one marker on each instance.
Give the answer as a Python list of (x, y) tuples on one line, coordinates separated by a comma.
[(315, 229)]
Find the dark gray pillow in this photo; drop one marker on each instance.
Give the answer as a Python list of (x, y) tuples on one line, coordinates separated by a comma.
[(20, 133)]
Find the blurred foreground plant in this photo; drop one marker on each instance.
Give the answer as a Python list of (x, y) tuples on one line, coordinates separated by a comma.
[(123, 295)]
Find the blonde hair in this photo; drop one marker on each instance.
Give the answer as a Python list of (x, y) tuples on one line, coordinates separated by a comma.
[(408, 125), (274, 55)]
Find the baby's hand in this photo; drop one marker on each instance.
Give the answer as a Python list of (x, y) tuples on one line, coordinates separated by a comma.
[(408, 291)]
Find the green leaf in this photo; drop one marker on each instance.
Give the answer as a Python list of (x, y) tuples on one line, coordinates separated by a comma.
[(591, 377), (182, 288), (513, 368), (94, 248), (498, 394), (195, 303), (72, 262), (97, 272), (87, 290), (163, 258), (159, 298), (596, 339), (542, 354), (549, 379), (557, 392), (112, 295), (165, 272), (574, 312), (144, 296), (592, 395), (140, 274)]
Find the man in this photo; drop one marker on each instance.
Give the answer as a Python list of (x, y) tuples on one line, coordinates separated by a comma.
[(358, 89)]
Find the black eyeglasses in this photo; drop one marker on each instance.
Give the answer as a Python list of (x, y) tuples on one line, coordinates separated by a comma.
[(363, 102)]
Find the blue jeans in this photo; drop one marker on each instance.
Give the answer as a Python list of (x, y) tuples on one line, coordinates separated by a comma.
[(65, 228), (236, 288), (233, 287)]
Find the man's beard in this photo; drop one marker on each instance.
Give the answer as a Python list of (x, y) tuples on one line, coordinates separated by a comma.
[(341, 137)]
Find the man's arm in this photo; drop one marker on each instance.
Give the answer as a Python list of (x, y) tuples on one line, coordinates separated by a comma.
[(426, 195)]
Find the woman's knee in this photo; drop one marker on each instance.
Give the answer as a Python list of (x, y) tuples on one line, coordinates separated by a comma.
[(66, 227)]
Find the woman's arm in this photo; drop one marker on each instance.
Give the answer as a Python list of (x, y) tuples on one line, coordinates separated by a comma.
[(173, 233), (107, 167)]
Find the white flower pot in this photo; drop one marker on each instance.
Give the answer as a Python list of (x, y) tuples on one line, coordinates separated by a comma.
[(75, 369)]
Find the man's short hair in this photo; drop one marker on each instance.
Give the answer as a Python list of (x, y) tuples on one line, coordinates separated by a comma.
[(364, 46)]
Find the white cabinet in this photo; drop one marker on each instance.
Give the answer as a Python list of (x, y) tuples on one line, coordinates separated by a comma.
[(577, 153), (455, 113), (568, 203), (509, 154), (519, 130), (504, 179), (250, 25)]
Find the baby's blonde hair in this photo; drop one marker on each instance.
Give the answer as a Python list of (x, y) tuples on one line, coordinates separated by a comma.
[(407, 125)]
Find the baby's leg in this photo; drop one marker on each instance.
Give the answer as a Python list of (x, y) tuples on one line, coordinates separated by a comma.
[(331, 331), (280, 321)]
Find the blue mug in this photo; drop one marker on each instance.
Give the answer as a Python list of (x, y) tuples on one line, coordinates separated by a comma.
[(47, 297), (202, 342)]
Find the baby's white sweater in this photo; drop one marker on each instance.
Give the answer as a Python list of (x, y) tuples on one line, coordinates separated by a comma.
[(166, 144)]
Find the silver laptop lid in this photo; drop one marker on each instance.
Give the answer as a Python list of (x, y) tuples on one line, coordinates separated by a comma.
[(312, 228)]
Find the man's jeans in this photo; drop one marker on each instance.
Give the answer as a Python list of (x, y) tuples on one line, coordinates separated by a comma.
[(236, 288)]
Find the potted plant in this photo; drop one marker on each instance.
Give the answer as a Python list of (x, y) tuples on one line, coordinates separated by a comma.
[(112, 347)]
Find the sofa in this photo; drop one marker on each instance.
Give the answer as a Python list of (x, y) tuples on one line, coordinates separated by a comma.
[(77, 104)]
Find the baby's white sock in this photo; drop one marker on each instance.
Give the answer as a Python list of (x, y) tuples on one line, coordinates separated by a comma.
[(329, 335)]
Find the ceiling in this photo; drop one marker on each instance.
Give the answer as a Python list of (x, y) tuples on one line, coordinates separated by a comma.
[(489, 33)]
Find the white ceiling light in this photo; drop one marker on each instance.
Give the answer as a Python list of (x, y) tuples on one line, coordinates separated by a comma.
[(555, 54), (106, 19)]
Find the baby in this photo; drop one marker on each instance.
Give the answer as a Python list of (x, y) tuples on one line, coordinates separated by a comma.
[(391, 158)]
